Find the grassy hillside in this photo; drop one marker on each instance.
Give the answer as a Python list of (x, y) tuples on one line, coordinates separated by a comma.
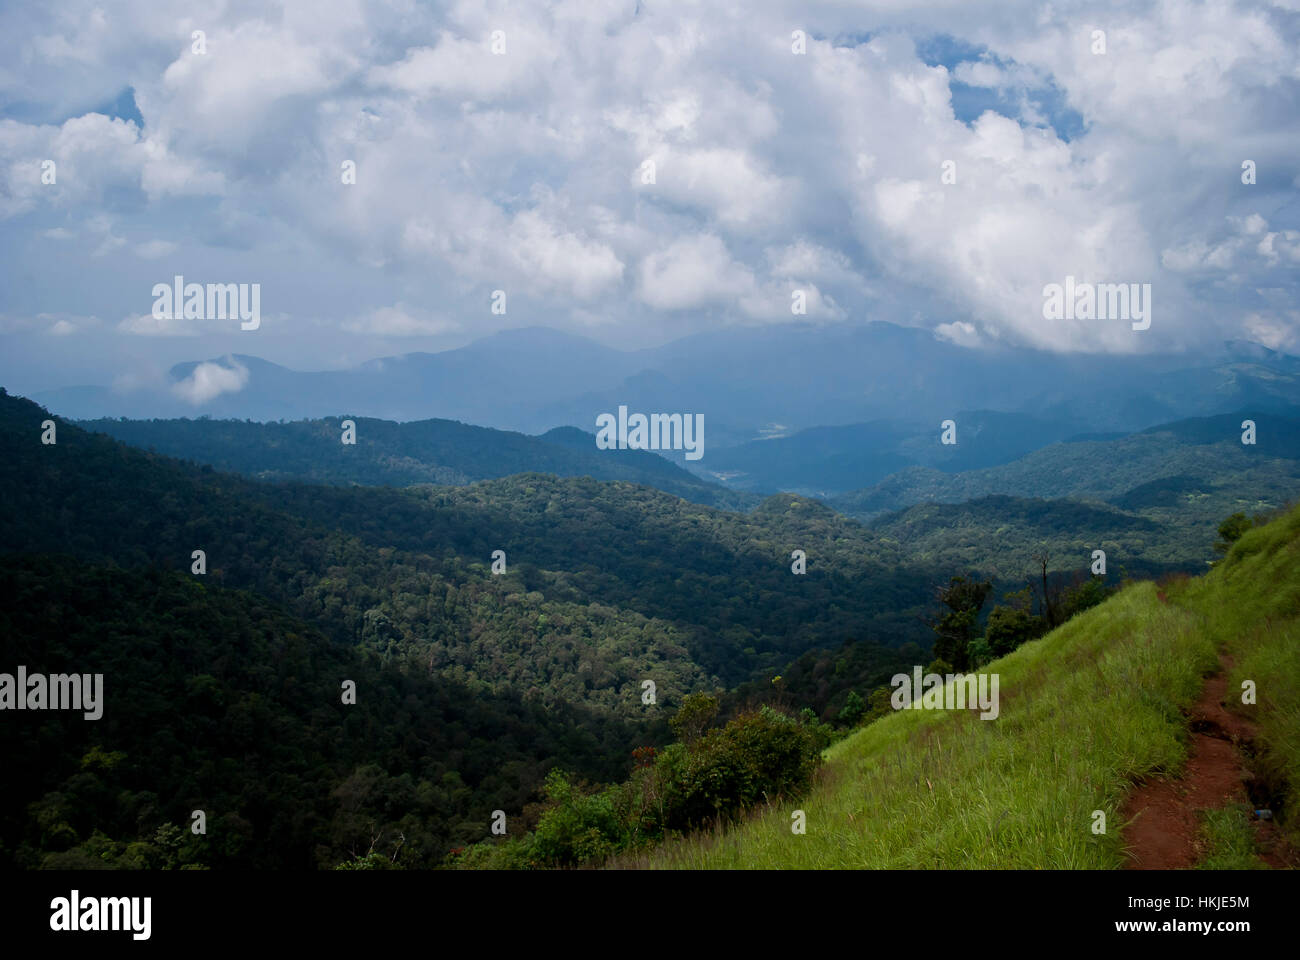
[(1085, 712), (1250, 607)]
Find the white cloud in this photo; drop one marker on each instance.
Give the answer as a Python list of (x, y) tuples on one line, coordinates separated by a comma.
[(466, 66), (53, 324), (959, 332), (210, 380), (522, 172), (693, 272), (562, 260), (400, 321), (154, 249)]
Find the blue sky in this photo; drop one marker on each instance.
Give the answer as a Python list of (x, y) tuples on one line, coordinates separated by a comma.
[(522, 171)]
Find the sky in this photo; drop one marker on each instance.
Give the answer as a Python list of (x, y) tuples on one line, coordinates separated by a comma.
[(931, 164)]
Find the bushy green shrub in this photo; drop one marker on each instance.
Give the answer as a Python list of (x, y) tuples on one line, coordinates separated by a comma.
[(577, 828), (1009, 627), (853, 710), (979, 652), (1087, 594), (756, 757)]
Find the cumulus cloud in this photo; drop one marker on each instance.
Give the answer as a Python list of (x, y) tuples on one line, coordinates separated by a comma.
[(210, 380), (959, 332), (52, 324), (525, 170), (693, 272)]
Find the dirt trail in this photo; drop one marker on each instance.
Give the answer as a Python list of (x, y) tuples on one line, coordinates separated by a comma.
[(1166, 833)]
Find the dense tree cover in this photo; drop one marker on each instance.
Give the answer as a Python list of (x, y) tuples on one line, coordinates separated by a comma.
[(824, 679), (473, 685), (606, 585), (217, 700), (400, 454), (1000, 536), (1185, 476)]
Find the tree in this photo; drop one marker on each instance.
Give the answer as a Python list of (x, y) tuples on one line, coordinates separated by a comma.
[(979, 652), (1230, 531), (854, 708), (694, 716), (964, 597), (1087, 594), (1049, 596), (1009, 627)]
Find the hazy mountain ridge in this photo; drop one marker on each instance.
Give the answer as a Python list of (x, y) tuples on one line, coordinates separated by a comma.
[(442, 452), (743, 381), (1206, 452), (824, 461)]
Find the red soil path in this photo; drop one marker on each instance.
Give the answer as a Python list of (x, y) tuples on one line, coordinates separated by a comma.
[(1165, 830)]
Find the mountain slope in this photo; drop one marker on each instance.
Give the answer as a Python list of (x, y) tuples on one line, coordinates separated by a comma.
[(1084, 713), (401, 454), (1218, 474), (825, 460), (1002, 535), (218, 700), (500, 380), (606, 584)]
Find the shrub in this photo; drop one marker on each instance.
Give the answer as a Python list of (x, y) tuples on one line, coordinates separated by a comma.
[(1009, 627), (978, 652), (758, 756), (577, 828), (1087, 594), (853, 710)]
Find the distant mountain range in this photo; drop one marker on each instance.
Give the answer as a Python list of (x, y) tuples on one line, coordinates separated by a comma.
[(402, 454), (748, 383), (1190, 467), (1151, 499), (824, 461)]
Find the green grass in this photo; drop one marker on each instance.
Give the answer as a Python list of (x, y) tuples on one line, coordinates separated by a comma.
[(1229, 841), (1086, 712), (1251, 607)]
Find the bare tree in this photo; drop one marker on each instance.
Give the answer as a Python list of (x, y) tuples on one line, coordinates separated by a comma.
[(1051, 612)]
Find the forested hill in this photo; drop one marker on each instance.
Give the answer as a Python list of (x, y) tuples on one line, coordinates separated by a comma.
[(217, 700), (606, 585), (399, 454), (408, 569), (1199, 466)]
